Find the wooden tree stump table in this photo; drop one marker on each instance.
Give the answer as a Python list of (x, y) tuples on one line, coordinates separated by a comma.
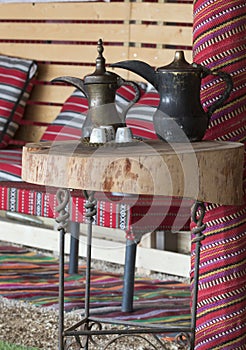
[(210, 171), (207, 171)]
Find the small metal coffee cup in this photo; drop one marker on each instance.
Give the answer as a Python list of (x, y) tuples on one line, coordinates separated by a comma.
[(123, 134), (98, 135), (110, 134)]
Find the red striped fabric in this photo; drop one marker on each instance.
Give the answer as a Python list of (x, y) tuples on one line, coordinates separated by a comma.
[(15, 87), (140, 117), (137, 214), (220, 43), (68, 123), (10, 164)]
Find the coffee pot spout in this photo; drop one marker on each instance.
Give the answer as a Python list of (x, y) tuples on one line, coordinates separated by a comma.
[(76, 82), (141, 68)]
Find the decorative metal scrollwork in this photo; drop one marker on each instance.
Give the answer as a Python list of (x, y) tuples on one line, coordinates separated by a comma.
[(63, 197), (81, 341), (90, 331), (197, 215), (132, 338), (183, 340), (90, 205), (148, 341)]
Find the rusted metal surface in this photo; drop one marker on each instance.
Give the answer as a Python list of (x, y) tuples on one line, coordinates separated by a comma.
[(179, 83)]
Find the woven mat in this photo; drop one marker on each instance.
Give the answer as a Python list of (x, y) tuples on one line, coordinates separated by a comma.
[(33, 277)]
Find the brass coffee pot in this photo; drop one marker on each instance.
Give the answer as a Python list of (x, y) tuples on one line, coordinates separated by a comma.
[(100, 89), (179, 116)]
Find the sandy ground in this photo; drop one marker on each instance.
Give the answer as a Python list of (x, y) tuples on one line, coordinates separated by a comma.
[(24, 324)]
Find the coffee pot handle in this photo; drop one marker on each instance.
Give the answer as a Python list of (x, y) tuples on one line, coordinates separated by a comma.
[(229, 86), (136, 97)]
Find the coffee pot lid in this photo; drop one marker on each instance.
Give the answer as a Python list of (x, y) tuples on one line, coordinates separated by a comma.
[(179, 64), (100, 75)]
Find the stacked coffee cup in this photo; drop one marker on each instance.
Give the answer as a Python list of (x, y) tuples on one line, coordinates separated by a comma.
[(107, 133)]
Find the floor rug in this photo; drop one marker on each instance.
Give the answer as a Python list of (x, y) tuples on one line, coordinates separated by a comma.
[(33, 277)]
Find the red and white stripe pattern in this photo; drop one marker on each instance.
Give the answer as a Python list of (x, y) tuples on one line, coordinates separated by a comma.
[(10, 164), (68, 124), (15, 86), (140, 117)]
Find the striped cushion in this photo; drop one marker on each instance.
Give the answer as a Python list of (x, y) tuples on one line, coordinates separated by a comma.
[(15, 86), (125, 95), (68, 124), (10, 164), (140, 117), (136, 214)]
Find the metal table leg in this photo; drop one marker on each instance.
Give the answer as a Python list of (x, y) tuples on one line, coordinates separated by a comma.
[(74, 247), (129, 275), (63, 197), (197, 215)]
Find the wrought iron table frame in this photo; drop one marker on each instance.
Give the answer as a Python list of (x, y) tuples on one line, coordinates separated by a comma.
[(186, 335), (149, 160)]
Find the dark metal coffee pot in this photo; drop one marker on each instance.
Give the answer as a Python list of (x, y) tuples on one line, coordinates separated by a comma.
[(100, 89), (179, 116)]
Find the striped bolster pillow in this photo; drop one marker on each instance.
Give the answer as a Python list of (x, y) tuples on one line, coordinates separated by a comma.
[(15, 87), (68, 123), (140, 117)]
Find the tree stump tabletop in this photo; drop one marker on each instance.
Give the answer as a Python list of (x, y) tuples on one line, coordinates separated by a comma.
[(209, 171)]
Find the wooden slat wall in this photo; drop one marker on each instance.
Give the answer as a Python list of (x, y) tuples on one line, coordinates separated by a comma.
[(62, 38), (158, 29), (66, 11)]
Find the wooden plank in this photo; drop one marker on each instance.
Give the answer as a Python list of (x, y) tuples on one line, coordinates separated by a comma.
[(51, 93), (155, 57), (47, 72), (30, 133), (164, 261), (166, 35), (63, 52), (150, 167), (165, 12), (65, 31), (41, 113), (66, 11), (105, 250)]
